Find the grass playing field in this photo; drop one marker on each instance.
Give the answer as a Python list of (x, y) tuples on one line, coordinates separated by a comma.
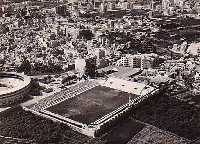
[(92, 104)]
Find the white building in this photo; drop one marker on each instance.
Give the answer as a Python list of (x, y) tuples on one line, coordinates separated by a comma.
[(143, 61), (179, 3), (194, 49), (165, 6), (128, 86), (100, 54), (80, 66)]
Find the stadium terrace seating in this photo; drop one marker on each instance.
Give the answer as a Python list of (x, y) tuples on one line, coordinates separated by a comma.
[(63, 95)]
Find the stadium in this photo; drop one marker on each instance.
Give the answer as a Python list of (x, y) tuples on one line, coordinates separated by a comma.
[(91, 107), (13, 87)]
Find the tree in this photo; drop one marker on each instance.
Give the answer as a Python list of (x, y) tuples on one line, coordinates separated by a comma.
[(86, 34), (36, 88), (25, 67), (188, 80), (157, 61)]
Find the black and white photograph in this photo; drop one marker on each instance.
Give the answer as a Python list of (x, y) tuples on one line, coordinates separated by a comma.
[(99, 71)]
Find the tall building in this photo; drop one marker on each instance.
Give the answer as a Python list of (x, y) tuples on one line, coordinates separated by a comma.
[(124, 5), (179, 3), (103, 7), (143, 61), (96, 4), (131, 61), (91, 66), (80, 66), (61, 10), (168, 6), (165, 6), (100, 54)]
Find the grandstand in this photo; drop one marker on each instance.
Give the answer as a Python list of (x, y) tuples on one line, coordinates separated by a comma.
[(90, 107), (62, 96)]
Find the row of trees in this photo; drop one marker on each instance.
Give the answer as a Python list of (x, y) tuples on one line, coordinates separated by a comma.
[(39, 68)]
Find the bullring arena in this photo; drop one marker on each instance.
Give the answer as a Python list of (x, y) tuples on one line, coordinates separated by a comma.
[(91, 107), (13, 87)]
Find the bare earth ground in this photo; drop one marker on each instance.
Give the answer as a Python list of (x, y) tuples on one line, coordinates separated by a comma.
[(170, 114)]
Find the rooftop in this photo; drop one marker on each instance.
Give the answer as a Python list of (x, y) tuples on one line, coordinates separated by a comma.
[(128, 86), (119, 71)]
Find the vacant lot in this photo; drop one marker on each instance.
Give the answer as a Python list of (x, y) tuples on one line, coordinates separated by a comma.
[(172, 115), (18, 123), (120, 134), (153, 135), (123, 132), (92, 104)]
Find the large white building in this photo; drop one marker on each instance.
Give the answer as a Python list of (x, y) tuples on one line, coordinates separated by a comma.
[(80, 66), (194, 49), (166, 6), (99, 53), (128, 86), (142, 61), (169, 5)]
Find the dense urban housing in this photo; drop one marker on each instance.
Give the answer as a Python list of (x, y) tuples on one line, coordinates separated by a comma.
[(100, 71)]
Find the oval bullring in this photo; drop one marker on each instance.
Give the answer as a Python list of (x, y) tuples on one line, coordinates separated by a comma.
[(13, 87)]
